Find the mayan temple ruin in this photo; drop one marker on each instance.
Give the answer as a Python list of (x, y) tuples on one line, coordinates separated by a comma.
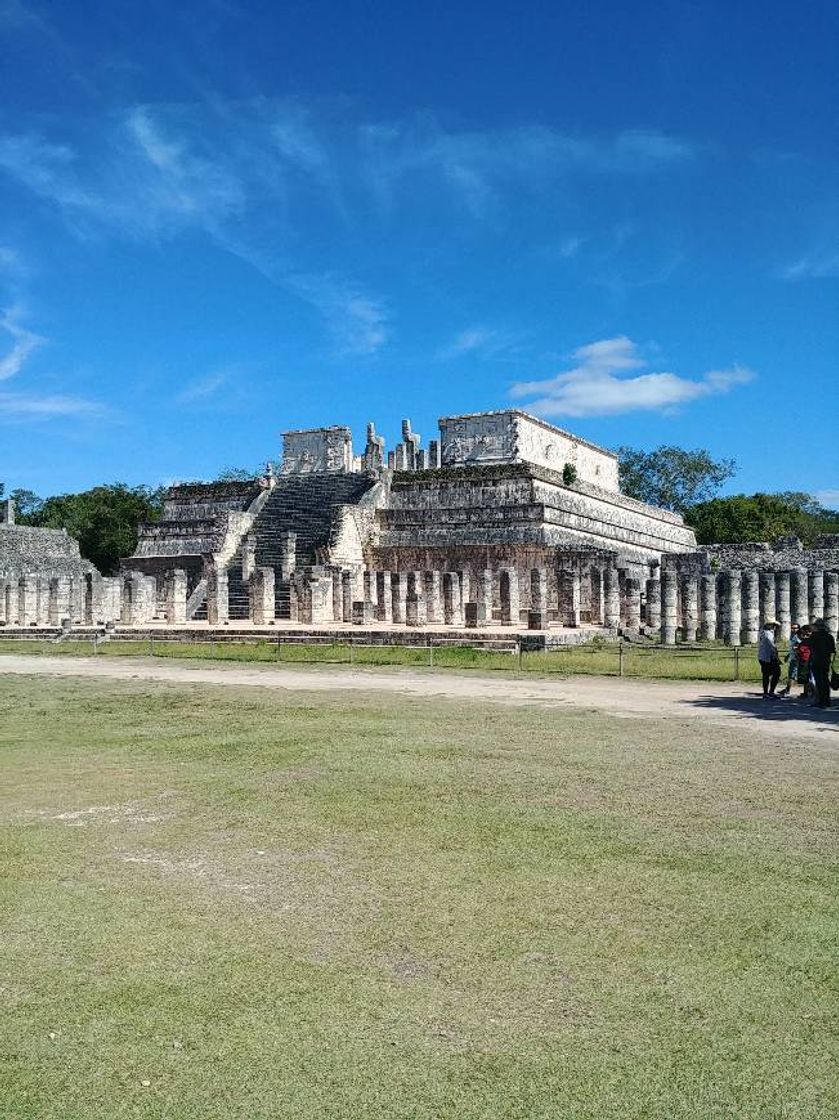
[(501, 521)]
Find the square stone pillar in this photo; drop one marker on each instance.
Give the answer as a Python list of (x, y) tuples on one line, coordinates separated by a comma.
[(730, 606), (319, 600), (632, 605), (766, 593), (539, 590), (5, 601), (262, 594), (416, 589), (218, 598), (817, 594), (371, 591), (690, 608), (400, 594), (652, 618), (669, 608), (288, 555), (597, 603), (385, 596), (831, 602), (434, 597), (176, 596), (708, 607), (782, 603), (363, 613), (569, 598), (751, 608), (799, 596), (27, 601), (485, 595), (611, 598), (59, 601), (43, 615), (248, 556), (346, 597)]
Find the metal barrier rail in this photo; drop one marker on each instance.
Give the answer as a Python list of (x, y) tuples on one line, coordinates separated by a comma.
[(616, 659)]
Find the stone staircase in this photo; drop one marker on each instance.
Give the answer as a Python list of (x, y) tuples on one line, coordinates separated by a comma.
[(305, 505)]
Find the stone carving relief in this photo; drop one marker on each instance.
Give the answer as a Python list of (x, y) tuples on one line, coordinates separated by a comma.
[(318, 450)]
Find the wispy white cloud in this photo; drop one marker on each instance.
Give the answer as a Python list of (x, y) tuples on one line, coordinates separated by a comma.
[(202, 387), (815, 266), (606, 380), (829, 497), (357, 322), (482, 341), (23, 343), (31, 406)]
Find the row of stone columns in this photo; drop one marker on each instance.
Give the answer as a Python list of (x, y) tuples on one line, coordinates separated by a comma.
[(46, 599)]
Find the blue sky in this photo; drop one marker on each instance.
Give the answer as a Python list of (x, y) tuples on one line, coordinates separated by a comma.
[(219, 220)]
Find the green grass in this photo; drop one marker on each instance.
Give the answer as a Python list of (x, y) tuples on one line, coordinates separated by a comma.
[(269, 905), (601, 659)]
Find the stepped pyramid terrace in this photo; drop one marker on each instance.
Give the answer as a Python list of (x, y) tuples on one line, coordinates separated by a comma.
[(501, 524)]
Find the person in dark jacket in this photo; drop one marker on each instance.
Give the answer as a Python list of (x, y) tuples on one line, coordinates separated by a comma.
[(822, 652)]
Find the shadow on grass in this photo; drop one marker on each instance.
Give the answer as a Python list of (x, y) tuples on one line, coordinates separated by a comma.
[(779, 710)]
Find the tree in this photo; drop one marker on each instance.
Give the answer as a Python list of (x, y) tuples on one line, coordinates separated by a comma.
[(672, 477), (761, 517), (27, 503), (237, 474), (104, 520)]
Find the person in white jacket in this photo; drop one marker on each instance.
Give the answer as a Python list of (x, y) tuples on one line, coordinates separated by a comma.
[(767, 655)]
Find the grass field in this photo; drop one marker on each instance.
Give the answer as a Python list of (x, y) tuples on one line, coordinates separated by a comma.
[(220, 902), (601, 659)]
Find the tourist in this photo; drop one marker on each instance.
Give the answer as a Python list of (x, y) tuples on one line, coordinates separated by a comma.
[(792, 657), (767, 655), (802, 654), (822, 652)]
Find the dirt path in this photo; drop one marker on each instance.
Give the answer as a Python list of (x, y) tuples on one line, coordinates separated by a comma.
[(717, 702)]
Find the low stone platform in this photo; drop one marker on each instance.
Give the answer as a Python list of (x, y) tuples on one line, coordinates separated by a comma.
[(500, 638)]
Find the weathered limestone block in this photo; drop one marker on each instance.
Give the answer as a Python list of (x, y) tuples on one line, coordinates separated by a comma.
[(782, 602), (538, 589), (400, 594), (106, 598), (816, 594), (346, 597), (690, 608), (474, 615), (731, 609), (288, 555), (363, 613), (766, 582), (416, 590), (176, 596), (569, 598), (750, 619), (449, 598), (831, 602), (371, 591), (611, 598), (669, 600), (248, 556), (218, 597), (798, 594), (262, 593), (59, 600), (43, 615), (653, 590), (707, 607), (319, 608), (632, 604), (5, 601), (485, 597)]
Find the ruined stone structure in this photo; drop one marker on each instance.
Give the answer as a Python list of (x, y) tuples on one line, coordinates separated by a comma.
[(501, 521), (43, 579)]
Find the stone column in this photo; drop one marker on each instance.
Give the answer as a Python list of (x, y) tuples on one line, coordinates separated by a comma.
[(59, 600), (653, 607), (766, 584), (384, 595), (261, 590), (458, 598), (831, 601), (5, 601), (371, 592), (400, 596), (632, 604), (176, 596), (248, 556), (732, 615), (28, 601), (434, 597), (798, 595), (485, 594), (318, 594), (218, 601), (669, 613), (288, 555), (448, 597), (782, 602), (569, 598), (708, 607), (690, 608), (346, 597), (597, 600), (42, 616), (611, 598), (417, 588), (750, 620), (817, 594), (539, 589)]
